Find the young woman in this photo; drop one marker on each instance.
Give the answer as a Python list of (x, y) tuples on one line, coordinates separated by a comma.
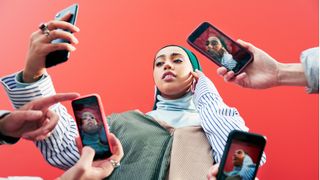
[(180, 138)]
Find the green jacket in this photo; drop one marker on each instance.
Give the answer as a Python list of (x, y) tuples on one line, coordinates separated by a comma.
[(154, 151)]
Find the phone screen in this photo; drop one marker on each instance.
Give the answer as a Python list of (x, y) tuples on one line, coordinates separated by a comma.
[(242, 156), (218, 47), (91, 126)]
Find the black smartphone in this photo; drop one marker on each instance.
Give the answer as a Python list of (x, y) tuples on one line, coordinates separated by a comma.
[(92, 125), (60, 56), (241, 156), (220, 48)]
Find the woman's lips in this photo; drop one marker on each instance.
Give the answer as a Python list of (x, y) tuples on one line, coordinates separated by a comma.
[(168, 76)]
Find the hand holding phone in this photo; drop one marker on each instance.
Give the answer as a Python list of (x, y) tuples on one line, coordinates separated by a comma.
[(92, 125), (241, 156), (60, 56), (220, 48)]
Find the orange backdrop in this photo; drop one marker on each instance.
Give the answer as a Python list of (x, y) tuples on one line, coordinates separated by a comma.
[(118, 40)]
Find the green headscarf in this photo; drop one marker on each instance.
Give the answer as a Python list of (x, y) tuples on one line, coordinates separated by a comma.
[(194, 62)]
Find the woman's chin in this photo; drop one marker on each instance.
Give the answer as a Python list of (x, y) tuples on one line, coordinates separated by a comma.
[(174, 93)]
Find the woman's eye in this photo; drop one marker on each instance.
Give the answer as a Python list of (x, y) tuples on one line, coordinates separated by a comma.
[(158, 64), (177, 61)]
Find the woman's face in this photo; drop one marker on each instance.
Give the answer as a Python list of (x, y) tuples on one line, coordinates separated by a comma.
[(213, 44), (172, 72), (89, 123), (238, 157)]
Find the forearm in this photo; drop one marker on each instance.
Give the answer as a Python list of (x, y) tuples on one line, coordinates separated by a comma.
[(291, 74), (217, 119), (59, 149)]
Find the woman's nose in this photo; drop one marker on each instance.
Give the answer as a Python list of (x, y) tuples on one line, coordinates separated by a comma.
[(168, 65)]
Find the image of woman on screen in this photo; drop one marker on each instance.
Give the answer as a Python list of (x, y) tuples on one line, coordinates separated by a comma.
[(219, 53), (243, 166)]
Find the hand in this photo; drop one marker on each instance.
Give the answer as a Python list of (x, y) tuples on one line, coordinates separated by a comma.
[(213, 172), (86, 168), (196, 75), (260, 74), (40, 46), (34, 121)]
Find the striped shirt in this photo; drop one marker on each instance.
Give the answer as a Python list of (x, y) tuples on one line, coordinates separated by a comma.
[(60, 150)]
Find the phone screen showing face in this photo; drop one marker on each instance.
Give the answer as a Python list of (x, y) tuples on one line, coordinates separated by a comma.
[(91, 126), (60, 56), (242, 156), (219, 48)]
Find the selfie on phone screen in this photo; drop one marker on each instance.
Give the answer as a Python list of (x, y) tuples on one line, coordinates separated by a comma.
[(242, 161), (91, 127), (218, 47)]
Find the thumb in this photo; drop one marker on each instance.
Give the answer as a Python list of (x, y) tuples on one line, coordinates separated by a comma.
[(247, 45), (87, 156)]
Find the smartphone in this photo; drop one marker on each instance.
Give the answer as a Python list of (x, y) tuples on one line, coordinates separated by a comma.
[(241, 156), (92, 125), (220, 48), (60, 56)]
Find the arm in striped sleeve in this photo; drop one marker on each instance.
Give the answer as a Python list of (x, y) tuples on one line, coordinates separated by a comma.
[(60, 148), (217, 118)]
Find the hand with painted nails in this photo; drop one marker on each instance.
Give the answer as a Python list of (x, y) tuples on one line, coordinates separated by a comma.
[(40, 46), (86, 168), (33, 121), (213, 172)]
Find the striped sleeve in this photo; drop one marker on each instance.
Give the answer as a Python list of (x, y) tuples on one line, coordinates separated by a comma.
[(217, 118), (59, 149)]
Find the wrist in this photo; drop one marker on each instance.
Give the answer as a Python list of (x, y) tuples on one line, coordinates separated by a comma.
[(30, 77), (291, 74), (2, 120), (4, 138)]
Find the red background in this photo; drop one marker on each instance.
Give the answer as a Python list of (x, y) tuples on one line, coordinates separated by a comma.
[(118, 40)]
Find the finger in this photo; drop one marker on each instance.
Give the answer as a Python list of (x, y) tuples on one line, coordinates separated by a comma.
[(25, 115), (228, 77), (214, 169), (46, 102), (60, 34), (241, 77), (103, 168), (38, 134), (56, 24), (66, 17), (195, 75), (87, 156), (58, 46), (116, 146), (47, 127), (37, 137), (221, 71)]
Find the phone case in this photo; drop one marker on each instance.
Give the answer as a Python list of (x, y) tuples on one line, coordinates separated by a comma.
[(61, 56), (103, 118), (254, 142)]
